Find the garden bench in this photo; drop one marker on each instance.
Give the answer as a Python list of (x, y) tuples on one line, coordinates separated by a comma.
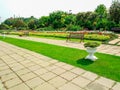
[(25, 33), (76, 35)]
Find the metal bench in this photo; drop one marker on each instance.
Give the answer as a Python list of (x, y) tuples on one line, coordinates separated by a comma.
[(76, 35)]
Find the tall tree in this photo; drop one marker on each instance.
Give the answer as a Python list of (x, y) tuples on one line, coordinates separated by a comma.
[(101, 10), (114, 11), (57, 19), (43, 21)]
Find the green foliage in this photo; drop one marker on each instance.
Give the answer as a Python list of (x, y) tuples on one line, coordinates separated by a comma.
[(57, 19), (114, 11), (49, 28), (70, 19), (101, 11), (4, 26), (32, 25), (92, 44), (43, 21), (19, 24), (97, 37), (73, 28)]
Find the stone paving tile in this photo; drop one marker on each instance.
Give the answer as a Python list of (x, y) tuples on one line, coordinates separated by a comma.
[(58, 71), (67, 67), (45, 64), (57, 82), (45, 86), (12, 82), (116, 86), (53, 61), (78, 71), (5, 57), (60, 64), (2, 64), (14, 64), (25, 62), (90, 76), (68, 75), (34, 82), (70, 86), (29, 64), (16, 68), (40, 71), (28, 76), (8, 77), (106, 82), (20, 87), (47, 76), (96, 86), (35, 67), (3, 72), (22, 71), (114, 41), (51, 67), (82, 82), (3, 68)]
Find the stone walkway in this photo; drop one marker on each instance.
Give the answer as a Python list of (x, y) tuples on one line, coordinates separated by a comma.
[(109, 49), (21, 69), (115, 41)]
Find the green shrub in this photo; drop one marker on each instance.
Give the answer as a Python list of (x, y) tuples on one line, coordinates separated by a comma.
[(97, 37), (92, 44), (73, 28)]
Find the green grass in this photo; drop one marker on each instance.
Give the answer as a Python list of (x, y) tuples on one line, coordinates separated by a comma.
[(107, 65)]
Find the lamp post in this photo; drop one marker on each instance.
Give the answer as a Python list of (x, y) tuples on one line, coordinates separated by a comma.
[(70, 11)]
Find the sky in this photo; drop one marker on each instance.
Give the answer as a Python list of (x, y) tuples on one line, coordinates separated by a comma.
[(38, 8)]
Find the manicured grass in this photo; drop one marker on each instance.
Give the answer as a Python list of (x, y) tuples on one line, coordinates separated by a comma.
[(107, 65)]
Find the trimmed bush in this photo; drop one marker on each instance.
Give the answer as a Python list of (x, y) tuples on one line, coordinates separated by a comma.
[(97, 37), (92, 44)]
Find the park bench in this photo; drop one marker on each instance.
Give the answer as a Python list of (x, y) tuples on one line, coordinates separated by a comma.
[(76, 35), (24, 33)]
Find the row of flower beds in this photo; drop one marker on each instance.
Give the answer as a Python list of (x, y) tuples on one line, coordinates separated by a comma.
[(88, 35)]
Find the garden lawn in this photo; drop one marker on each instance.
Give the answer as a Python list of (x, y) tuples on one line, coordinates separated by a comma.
[(107, 65)]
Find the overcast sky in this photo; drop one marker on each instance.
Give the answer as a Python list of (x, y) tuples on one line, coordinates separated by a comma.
[(38, 8)]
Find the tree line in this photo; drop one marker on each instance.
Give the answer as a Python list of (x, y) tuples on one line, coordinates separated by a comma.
[(100, 19)]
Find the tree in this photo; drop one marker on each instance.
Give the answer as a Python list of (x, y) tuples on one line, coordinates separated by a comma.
[(101, 11), (57, 19), (4, 26), (114, 11), (9, 21), (43, 21), (19, 24), (32, 25), (70, 19)]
